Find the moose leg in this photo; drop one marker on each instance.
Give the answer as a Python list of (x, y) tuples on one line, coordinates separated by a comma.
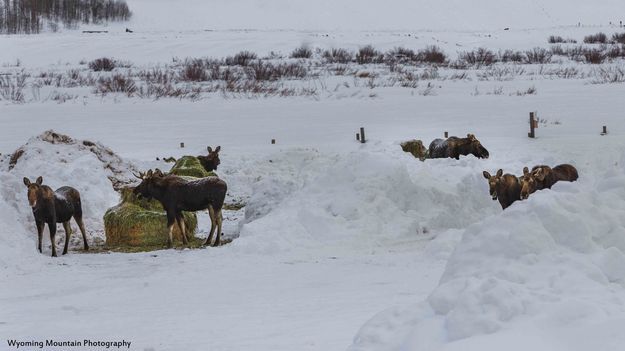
[(211, 213), (182, 227), (40, 227), (81, 226), (219, 219), (171, 219), (52, 228), (68, 232)]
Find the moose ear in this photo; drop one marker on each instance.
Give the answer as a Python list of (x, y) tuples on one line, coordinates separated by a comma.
[(39, 180), (526, 171), (540, 175), (499, 172), (486, 175), (217, 148), (26, 181), (150, 173), (210, 149)]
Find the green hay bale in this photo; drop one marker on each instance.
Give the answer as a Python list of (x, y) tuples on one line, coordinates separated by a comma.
[(190, 166), (141, 224), (416, 148)]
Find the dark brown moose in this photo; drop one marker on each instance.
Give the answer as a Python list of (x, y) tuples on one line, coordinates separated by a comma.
[(453, 147), (544, 177), (210, 161), (52, 207), (504, 187), (177, 194)]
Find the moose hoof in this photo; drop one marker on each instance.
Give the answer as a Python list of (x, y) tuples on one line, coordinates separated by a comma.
[(64, 253), (86, 248)]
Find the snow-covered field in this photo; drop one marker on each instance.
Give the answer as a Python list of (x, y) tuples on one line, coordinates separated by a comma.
[(341, 245)]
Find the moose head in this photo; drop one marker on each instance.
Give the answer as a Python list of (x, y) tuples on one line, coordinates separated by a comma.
[(33, 190), (492, 182), (210, 161), (530, 181), (476, 148), (148, 180)]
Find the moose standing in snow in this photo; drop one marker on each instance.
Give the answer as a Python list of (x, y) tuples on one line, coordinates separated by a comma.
[(177, 194), (52, 207), (453, 147)]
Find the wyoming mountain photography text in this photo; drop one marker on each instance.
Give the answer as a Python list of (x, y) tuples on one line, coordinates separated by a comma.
[(51, 344)]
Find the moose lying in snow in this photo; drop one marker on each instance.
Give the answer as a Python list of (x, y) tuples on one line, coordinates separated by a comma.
[(504, 187), (177, 194), (453, 147), (544, 177), (52, 207)]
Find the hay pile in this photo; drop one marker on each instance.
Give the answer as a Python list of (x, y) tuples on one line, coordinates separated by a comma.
[(141, 224), (416, 148), (190, 166)]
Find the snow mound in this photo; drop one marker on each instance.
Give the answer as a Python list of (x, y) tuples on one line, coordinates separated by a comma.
[(361, 199), (545, 274), (90, 167)]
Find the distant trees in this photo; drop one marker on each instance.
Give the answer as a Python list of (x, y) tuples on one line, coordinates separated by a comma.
[(30, 16)]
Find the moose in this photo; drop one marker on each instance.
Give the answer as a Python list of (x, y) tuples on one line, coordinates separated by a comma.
[(210, 161), (453, 147), (544, 177), (504, 187), (177, 194), (52, 207)]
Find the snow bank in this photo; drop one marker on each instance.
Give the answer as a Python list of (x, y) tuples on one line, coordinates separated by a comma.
[(361, 199), (545, 274), (89, 167)]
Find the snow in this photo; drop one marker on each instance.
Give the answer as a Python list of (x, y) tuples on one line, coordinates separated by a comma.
[(341, 245)]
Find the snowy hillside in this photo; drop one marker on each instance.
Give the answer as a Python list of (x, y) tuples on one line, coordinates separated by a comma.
[(339, 245)]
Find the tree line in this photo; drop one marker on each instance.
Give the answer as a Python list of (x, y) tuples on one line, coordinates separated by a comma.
[(30, 16)]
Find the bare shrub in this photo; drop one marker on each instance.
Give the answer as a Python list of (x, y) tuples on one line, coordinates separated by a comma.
[(558, 50), (555, 39), (618, 38), (12, 87), (511, 56), (338, 56), (264, 71), (594, 56), (118, 83), (102, 64), (368, 54), (431, 54), (608, 75), (243, 58), (193, 71), (479, 57), (537, 55), (530, 91), (399, 54), (302, 52), (599, 38)]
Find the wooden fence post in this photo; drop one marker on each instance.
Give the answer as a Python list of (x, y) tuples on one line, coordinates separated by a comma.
[(182, 145), (605, 130), (532, 133), (446, 134), (362, 135), (273, 141), (358, 136)]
